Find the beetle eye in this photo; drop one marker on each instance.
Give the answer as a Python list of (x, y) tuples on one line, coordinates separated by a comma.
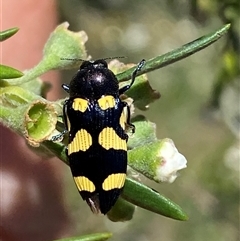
[(100, 63), (85, 64)]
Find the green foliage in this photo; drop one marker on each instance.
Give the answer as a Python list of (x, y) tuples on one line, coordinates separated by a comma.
[(90, 237), (147, 154), (7, 33), (151, 200), (7, 72)]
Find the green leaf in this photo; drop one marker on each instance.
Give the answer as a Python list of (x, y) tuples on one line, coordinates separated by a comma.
[(7, 33), (122, 211), (149, 199), (145, 132), (177, 54), (7, 72), (90, 237)]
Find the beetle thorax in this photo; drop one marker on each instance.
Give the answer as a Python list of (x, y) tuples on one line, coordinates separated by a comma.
[(94, 83)]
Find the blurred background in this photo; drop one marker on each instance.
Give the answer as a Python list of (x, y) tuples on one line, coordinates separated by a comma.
[(199, 110)]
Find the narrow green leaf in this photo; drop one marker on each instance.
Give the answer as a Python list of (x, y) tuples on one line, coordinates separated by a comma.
[(151, 200), (177, 54), (90, 237), (122, 211), (7, 33), (7, 72)]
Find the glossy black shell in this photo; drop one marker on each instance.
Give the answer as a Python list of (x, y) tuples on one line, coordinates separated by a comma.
[(94, 80)]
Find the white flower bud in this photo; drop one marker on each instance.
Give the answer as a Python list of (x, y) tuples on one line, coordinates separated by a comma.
[(172, 161)]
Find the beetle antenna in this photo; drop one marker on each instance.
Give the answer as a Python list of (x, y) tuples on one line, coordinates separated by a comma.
[(117, 57), (73, 59), (78, 59)]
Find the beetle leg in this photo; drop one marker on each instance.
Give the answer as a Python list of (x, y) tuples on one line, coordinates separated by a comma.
[(134, 74), (65, 87), (130, 125), (60, 136)]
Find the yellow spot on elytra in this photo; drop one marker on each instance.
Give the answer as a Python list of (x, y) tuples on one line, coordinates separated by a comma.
[(84, 184), (123, 118), (108, 138), (81, 142), (106, 102), (80, 104), (114, 181)]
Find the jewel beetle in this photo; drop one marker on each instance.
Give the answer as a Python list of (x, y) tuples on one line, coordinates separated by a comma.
[(96, 120)]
